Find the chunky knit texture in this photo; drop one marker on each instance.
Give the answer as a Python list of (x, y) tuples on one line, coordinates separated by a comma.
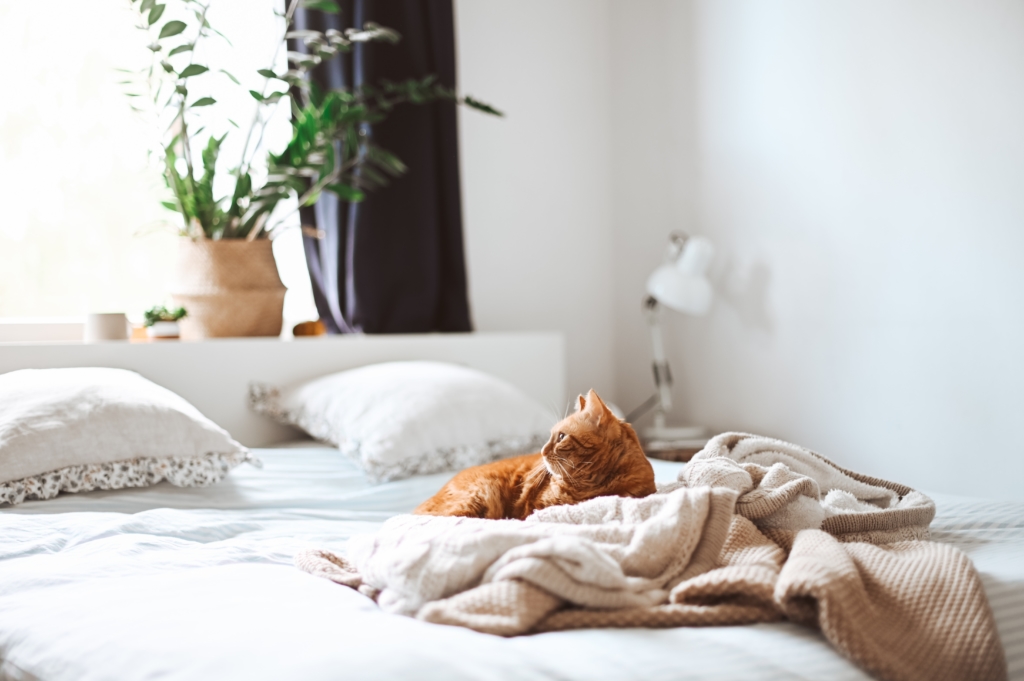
[(755, 530)]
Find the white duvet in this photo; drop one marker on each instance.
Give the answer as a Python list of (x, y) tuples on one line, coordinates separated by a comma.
[(96, 587)]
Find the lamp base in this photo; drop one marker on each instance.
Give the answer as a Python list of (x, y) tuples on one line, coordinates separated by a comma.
[(673, 434), (673, 444)]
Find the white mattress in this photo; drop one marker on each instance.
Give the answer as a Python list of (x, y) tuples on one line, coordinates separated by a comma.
[(177, 583)]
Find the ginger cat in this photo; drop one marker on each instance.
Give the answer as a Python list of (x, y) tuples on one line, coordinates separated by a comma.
[(590, 454)]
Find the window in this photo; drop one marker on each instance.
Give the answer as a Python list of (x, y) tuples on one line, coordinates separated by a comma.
[(81, 225)]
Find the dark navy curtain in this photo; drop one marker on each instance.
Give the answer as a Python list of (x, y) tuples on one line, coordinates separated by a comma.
[(394, 262)]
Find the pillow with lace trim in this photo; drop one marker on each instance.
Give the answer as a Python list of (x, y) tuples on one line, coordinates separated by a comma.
[(399, 419), (75, 430)]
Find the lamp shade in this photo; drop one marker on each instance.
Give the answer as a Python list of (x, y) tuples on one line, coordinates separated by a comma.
[(681, 284)]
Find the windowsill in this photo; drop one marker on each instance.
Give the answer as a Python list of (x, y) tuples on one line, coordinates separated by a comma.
[(171, 341), (71, 331), (41, 329)]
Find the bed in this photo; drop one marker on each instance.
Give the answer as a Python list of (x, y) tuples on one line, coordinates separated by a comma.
[(194, 583), (199, 583)]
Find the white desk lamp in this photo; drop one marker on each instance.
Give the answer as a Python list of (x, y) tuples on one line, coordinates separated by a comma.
[(679, 284)]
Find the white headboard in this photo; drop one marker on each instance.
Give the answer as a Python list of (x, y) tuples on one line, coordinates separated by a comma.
[(214, 375)]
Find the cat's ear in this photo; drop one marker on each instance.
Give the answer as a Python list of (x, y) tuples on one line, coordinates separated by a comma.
[(581, 403), (594, 402), (595, 407)]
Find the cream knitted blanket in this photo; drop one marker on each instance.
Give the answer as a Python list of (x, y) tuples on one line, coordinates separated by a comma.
[(755, 530)]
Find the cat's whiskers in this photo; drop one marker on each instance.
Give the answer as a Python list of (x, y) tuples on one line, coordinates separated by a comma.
[(565, 472), (575, 464)]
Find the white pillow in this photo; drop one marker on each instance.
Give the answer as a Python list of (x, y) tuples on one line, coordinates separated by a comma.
[(73, 430), (399, 419)]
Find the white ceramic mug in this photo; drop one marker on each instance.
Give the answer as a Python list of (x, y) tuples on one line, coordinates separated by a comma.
[(105, 326)]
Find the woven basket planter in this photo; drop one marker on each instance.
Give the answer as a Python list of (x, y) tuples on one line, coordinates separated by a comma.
[(229, 288)]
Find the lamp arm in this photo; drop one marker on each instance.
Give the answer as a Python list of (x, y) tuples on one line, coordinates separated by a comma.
[(659, 364)]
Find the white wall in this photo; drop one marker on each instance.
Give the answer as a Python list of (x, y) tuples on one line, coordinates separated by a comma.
[(654, 177), (535, 184), (859, 165)]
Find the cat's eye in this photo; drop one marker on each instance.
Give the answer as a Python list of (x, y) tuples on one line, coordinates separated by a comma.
[(561, 436)]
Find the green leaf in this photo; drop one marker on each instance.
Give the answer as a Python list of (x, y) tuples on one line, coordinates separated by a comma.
[(256, 95), (207, 208), (204, 101), (328, 6), (385, 160), (243, 188), (192, 70), (156, 13), (316, 94), (373, 31), (303, 61), (346, 192), (179, 49), (159, 313), (232, 123), (210, 154), (233, 79), (171, 205), (267, 73), (172, 28), (146, 5), (480, 106), (371, 178), (226, 39), (177, 184)]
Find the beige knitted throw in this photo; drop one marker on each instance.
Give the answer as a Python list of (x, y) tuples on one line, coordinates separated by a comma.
[(755, 530)]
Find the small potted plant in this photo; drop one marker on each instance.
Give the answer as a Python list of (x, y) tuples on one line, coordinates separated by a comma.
[(161, 323)]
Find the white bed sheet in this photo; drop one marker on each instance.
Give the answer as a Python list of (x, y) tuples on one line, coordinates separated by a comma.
[(177, 583)]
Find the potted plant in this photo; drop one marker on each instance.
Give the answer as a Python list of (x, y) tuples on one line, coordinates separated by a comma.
[(161, 323), (225, 274)]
